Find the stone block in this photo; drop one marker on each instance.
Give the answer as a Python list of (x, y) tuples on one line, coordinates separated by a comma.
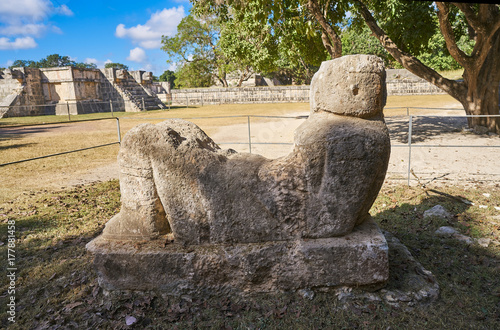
[(358, 259)]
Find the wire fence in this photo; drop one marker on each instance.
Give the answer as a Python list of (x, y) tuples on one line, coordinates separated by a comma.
[(408, 137)]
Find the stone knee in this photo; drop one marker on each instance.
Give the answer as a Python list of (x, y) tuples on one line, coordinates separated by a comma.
[(142, 215)]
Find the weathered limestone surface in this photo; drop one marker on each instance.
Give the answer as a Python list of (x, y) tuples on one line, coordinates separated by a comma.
[(33, 91), (357, 259), (303, 218)]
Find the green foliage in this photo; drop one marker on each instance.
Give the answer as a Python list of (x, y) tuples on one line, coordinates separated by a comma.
[(55, 60), (116, 65), (196, 41), (23, 63), (197, 73), (247, 43), (85, 65), (52, 61), (168, 76), (414, 27), (358, 40), (437, 56), (271, 38), (410, 24)]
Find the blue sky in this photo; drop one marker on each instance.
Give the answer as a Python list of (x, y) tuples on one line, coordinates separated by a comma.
[(90, 31)]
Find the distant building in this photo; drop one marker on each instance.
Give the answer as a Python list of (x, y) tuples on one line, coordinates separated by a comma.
[(33, 91)]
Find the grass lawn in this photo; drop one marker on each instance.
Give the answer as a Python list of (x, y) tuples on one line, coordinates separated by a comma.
[(56, 286)]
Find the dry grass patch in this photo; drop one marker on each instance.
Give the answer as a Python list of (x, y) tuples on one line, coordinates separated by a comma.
[(57, 286)]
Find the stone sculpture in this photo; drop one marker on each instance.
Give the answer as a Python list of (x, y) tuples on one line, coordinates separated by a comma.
[(243, 222)]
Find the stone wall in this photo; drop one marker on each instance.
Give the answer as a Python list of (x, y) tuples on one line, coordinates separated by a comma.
[(21, 93), (63, 90), (201, 96), (279, 94)]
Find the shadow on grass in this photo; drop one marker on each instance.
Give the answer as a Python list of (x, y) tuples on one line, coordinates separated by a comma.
[(423, 128), (467, 273), (14, 146)]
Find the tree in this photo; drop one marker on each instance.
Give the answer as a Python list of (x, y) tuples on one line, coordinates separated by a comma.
[(404, 29), (358, 40), (55, 60), (118, 66), (479, 23), (279, 39), (168, 76), (196, 73), (51, 61), (23, 63), (250, 46), (82, 65), (196, 41)]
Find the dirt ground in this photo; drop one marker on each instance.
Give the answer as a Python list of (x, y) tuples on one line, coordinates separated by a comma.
[(443, 149)]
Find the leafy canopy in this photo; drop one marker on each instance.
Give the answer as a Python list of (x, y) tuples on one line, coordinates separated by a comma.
[(51, 61), (116, 66)]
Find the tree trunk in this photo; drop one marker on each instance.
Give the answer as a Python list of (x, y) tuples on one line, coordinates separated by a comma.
[(331, 40), (483, 94), (479, 92), (244, 76), (222, 80)]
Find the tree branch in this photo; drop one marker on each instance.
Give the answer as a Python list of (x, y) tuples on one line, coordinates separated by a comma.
[(336, 50), (327, 44), (470, 15), (411, 63), (485, 33), (449, 36)]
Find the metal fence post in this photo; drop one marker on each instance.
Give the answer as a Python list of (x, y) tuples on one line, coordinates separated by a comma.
[(410, 124), (249, 136), (67, 106), (111, 107), (118, 130)]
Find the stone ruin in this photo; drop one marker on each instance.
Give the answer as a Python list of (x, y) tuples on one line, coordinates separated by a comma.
[(63, 90), (199, 219)]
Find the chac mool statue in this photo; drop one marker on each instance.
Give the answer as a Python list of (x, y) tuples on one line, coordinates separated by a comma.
[(242, 222), (173, 177)]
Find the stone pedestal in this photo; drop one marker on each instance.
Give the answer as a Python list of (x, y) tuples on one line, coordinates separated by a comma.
[(359, 258)]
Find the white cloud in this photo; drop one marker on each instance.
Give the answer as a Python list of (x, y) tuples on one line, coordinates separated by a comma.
[(23, 18), (18, 43), (64, 10), (137, 55), (28, 29), (90, 60), (98, 63), (159, 24), (31, 10)]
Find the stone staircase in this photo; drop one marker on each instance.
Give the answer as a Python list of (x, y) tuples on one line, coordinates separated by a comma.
[(138, 97)]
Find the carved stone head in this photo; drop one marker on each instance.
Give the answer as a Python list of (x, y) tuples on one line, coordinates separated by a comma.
[(350, 85)]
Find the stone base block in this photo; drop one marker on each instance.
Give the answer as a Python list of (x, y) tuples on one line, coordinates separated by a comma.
[(357, 259)]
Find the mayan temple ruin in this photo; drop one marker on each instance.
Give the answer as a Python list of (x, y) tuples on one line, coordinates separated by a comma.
[(70, 90)]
